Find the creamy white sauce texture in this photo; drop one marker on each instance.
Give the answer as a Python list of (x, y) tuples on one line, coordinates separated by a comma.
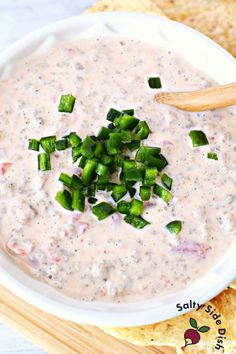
[(110, 260)]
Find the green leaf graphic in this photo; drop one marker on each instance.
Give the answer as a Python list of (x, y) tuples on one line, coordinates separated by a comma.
[(193, 322), (204, 329)]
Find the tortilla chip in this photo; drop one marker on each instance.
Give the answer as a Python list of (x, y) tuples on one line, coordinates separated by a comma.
[(215, 18), (171, 332), (233, 285), (146, 6)]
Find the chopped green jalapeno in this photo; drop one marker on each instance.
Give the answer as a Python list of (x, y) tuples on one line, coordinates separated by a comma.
[(103, 133), (142, 131), (212, 156), (145, 192), (136, 207), (130, 112), (74, 139), (134, 145), (129, 165), (119, 160), (48, 143), (166, 181), (103, 210), (123, 207), (154, 82), (118, 192), (102, 170), (134, 174), (88, 147), (164, 194), (92, 200), (174, 227), (33, 145), (136, 221), (82, 161), (66, 103), (65, 179), (105, 159), (89, 171), (44, 162), (100, 149), (132, 191), (78, 200), (198, 138), (128, 122), (76, 153), (112, 114), (64, 199), (76, 182), (61, 144), (150, 176)]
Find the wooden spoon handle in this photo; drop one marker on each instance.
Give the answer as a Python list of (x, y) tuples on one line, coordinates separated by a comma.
[(201, 100)]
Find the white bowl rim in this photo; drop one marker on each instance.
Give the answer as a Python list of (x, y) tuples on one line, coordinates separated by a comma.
[(110, 314)]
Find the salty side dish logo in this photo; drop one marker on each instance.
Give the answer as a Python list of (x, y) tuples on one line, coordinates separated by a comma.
[(192, 335)]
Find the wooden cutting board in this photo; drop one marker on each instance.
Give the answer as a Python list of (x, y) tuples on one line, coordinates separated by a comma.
[(58, 336)]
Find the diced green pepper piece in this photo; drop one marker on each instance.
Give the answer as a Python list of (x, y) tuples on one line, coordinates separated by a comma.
[(129, 165), (142, 131), (212, 156), (119, 160), (88, 147), (118, 192), (65, 179), (154, 82), (198, 138), (48, 143), (66, 104), (61, 144), (102, 170), (33, 145), (99, 149), (76, 182), (112, 114), (123, 207), (92, 200), (89, 171), (166, 181), (145, 192), (150, 176), (111, 150), (174, 227), (44, 162), (82, 162), (164, 194), (103, 210), (78, 200), (64, 199), (106, 159), (134, 174), (74, 139), (136, 221), (134, 145), (76, 153), (103, 133), (144, 152), (128, 122), (130, 112), (136, 207)]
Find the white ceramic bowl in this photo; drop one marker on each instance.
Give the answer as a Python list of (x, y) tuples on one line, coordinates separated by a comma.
[(205, 55)]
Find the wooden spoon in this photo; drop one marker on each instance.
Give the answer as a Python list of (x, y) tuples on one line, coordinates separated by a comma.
[(201, 100)]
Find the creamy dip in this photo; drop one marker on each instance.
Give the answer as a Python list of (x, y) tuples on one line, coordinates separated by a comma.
[(110, 260)]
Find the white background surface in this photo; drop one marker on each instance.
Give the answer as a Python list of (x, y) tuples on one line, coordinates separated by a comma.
[(18, 17)]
